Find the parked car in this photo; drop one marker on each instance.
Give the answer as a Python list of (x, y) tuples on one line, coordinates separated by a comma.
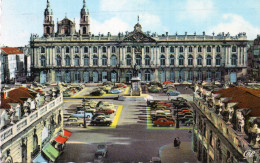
[(99, 114), (106, 111), (101, 151), (115, 91), (74, 122), (154, 118), (164, 103), (163, 122), (173, 93), (188, 122), (101, 120), (80, 114)]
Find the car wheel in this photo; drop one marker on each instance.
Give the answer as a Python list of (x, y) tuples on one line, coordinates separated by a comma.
[(88, 116), (168, 94), (158, 125), (171, 125)]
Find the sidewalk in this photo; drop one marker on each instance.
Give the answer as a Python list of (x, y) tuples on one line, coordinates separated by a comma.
[(169, 154)]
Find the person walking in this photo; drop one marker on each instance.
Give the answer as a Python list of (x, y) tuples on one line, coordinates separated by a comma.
[(175, 143)]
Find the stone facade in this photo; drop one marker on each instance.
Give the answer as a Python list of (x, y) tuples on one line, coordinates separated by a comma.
[(75, 57), (254, 60), (226, 127)]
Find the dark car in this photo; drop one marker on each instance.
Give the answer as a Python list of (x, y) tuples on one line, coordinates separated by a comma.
[(101, 121)]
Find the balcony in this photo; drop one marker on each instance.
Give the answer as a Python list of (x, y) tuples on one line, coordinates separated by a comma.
[(10, 132)]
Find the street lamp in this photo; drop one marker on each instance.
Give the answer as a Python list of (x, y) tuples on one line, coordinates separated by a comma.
[(177, 118), (85, 125)]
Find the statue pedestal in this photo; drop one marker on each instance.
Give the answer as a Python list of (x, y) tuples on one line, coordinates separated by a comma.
[(136, 86)]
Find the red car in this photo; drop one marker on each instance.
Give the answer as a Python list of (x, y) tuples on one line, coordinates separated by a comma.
[(163, 122), (165, 104), (185, 111), (105, 111), (120, 85), (167, 82)]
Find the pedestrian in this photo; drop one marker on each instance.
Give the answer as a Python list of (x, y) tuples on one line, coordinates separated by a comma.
[(175, 142)]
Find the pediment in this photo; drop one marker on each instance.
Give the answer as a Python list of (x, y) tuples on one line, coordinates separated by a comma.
[(138, 36)]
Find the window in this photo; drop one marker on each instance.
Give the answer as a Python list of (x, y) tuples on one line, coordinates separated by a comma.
[(181, 60), (58, 50), (67, 50), (199, 60), (209, 60), (67, 60), (58, 60), (234, 60), (181, 49), (218, 49), (138, 60), (218, 60), (172, 49), (208, 76), (85, 49), (147, 60), (234, 49), (113, 49), (42, 50), (147, 76), (172, 60), (128, 49), (113, 60), (190, 60), (95, 60), (162, 49), (76, 49), (104, 49), (128, 60), (77, 77), (199, 49), (190, 49), (86, 61), (218, 76), (208, 49), (104, 60), (190, 76), (162, 60), (76, 60), (147, 50), (94, 49), (58, 76), (199, 76), (43, 61)]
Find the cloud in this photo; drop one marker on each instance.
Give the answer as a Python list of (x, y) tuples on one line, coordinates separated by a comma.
[(235, 24), (119, 5), (152, 23), (113, 25), (198, 10)]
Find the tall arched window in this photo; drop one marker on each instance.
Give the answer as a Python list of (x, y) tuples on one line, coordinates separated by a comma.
[(86, 60), (104, 49), (209, 58), (85, 49), (138, 60), (163, 49), (67, 60), (190, 60), (172, 49), (181, 49), (181, 60), (94, 49), (76, 49), (147, 50), (128, 60), (234, 49), (147, 60), (199, 60), (218, 60), (104, 60), (171, 60), (128, 49), (43, 61), (58, 50), (76, 60), (113, 60), (42, 50), (67, 50), (58, 60), (95, 60), (162, 60), (199, 49), (113, 49), (218, 49), (208, 49), (234, 60)]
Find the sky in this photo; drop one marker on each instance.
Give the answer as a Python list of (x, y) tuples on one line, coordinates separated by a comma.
[(20, 18)]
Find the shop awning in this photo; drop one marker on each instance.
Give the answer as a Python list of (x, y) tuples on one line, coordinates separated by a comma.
[(50, 151), (40, 159), (61, 139), (67, 133)]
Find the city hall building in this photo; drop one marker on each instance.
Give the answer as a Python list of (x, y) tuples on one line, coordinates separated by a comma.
[(66, 55)]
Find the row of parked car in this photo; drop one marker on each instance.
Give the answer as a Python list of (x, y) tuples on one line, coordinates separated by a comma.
[(95, 113), (161, 113), (109, 88), (183, 111), (70, 90)]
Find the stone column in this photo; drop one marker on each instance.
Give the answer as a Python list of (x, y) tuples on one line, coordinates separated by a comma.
[(123, 56), (152, 56), (72, 56), (204, 61), (155, 76), (90, 56), (81, 62), (185, 56), (142, 55), (108, 56), (63, 57), (167, 56), (229, 51), (157, 55), (214, 56), (99, 56), (133, 58), (176, 60), (244, 56)]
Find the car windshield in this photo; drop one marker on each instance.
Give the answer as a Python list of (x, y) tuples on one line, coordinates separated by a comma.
[(101, 146)]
